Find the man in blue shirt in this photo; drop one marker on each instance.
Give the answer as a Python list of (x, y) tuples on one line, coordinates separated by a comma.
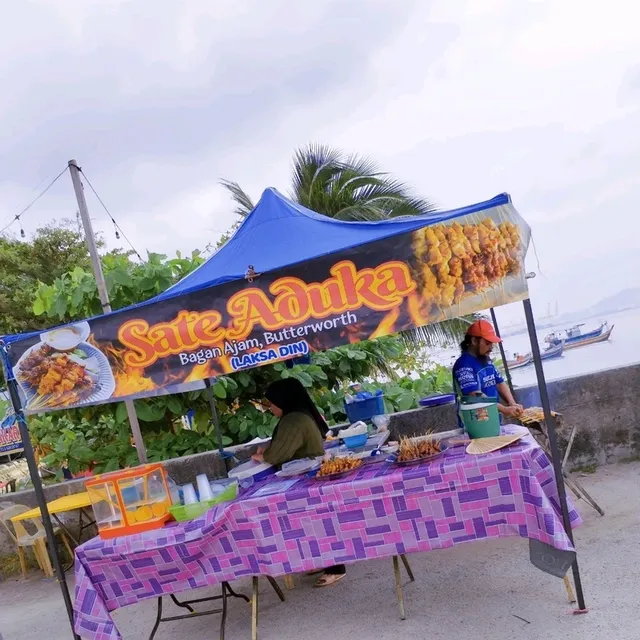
[(475, 375)]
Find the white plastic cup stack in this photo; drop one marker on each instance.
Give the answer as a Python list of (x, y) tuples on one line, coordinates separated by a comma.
[(189, 494), (204, 487)]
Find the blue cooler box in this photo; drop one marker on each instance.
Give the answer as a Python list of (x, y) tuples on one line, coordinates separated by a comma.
[(364, 409)]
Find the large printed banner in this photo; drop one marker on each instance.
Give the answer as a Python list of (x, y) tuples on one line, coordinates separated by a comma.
[(441, 271)]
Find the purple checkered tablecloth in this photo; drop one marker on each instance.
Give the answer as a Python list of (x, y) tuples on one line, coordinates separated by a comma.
[(376, 512)]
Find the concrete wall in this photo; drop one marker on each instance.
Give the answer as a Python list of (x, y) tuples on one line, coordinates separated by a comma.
[(602, 404)]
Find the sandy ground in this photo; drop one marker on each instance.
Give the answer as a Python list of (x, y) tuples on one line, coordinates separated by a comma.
[(480, 590)]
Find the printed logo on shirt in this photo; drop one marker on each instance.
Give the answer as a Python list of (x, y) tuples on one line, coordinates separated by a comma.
[(466, 375), (489, 380)]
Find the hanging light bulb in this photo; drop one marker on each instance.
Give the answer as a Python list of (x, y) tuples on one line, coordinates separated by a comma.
[(115, 228), (22, 233)]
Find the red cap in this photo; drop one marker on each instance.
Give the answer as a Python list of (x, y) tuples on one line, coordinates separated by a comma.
[(483, 329)]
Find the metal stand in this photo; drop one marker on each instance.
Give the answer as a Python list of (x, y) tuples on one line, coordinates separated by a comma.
[(553, 443), (398, 577), (186, 604)]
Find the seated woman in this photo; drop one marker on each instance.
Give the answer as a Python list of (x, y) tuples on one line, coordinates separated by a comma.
[(301, 428), (298, 434)]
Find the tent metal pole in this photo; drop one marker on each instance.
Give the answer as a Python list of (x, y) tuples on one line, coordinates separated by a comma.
[(74, 171), (39, 491), (553, 443), (503, 355)]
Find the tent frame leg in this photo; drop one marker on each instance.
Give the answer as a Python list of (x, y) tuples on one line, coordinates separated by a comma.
[(503, 354), (553, 444), (39, 491)]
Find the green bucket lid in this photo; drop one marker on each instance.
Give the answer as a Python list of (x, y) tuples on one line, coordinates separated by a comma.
[(477, 405)]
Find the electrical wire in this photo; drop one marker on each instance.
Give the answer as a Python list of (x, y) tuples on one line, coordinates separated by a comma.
[(117, 227), (535, 253), (18, 216)]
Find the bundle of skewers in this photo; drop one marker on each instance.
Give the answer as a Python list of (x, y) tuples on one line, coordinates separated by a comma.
[(416, 449)]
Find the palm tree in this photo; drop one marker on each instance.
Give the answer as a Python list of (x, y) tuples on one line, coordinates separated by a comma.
[(341, 187), (353, 188)]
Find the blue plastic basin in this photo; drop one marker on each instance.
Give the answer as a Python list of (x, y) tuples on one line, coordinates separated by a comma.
[(353, 442)]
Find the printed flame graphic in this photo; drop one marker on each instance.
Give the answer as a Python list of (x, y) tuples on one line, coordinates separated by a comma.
[(129, 380)]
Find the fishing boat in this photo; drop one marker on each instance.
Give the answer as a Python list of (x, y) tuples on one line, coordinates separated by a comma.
[(554, 351), (520, 361), (575, 338)]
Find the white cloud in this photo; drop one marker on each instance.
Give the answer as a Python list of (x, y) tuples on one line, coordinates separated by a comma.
[(462, 99)]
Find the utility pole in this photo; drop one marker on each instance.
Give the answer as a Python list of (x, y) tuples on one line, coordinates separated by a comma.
[(74, 170)]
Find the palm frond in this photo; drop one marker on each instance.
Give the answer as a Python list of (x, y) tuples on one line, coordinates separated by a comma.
[(244, 203), (441, 334), (313, 166)]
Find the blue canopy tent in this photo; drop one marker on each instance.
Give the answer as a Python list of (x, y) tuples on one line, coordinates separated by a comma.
[(279, 233)]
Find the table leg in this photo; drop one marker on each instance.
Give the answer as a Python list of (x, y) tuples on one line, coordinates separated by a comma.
[(158, 619), (276, 588), (90, 522), (288, 582), (569, 588), (579, 489), (254, 610), (236, 595), (67, 546), (226, 591), (223, 619), (407, 566), (64, 528), (399, 594), (184, 605), (567, 451)]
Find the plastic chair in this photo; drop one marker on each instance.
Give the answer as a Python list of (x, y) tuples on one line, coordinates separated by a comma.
[(37, 541)]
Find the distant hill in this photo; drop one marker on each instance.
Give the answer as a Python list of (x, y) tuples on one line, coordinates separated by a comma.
[(625, 299), (621, 301)]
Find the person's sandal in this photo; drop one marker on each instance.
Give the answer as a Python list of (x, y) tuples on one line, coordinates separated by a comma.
[(328, 579)]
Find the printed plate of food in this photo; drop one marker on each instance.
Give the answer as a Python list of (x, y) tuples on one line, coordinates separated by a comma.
[(336, 467), (51, 378), (418, 450)]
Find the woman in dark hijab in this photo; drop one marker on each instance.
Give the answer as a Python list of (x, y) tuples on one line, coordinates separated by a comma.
[(300, 430), (298, 434)]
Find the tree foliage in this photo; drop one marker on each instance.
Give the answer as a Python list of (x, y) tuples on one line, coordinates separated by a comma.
[(74, 294), (342, 187), (53, 251)]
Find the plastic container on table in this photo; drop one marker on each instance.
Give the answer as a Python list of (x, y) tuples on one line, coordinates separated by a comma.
[(364, 409), (131, 501), (353, 442), (184, 512), (480, 416), (252, 470), (437, 400)]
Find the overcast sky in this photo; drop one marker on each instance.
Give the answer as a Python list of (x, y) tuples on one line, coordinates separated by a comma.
[(461, 99)]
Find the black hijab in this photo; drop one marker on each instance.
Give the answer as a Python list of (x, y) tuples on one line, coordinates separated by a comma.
[(290, 395)]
